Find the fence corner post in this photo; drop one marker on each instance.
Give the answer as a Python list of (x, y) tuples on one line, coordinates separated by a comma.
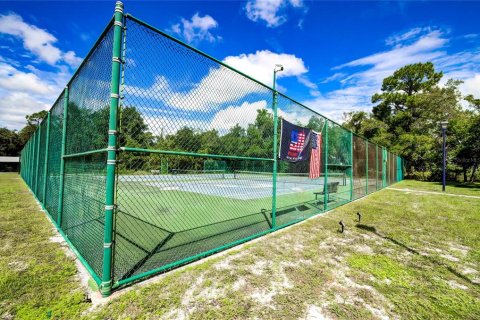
[(107, 277)]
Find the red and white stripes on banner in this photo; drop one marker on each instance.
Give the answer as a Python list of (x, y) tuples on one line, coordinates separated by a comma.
[(315, 155)]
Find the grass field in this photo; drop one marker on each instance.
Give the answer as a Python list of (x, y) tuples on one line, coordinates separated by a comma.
[(413, 255)]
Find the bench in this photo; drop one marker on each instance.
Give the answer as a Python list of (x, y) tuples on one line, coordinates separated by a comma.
[(331, 187)]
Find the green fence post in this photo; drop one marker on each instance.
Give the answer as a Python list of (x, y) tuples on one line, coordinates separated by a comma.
[(61, 185), (376, 167), (275, 158), (351, 166), (106, 286), (45, 167), (37, 154), (29, 164), (384, 167), (366, 166), (32, 163), (325, 178)]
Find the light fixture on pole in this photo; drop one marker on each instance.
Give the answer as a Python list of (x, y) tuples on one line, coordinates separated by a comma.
[(443, 126), (278, 68)]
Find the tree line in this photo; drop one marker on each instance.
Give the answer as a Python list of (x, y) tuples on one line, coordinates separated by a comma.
[(406, 115)]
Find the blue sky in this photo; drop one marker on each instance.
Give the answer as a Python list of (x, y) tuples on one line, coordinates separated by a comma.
[(335, 53)]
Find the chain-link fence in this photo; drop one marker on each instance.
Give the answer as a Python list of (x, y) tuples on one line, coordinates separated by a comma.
[(157, 154)]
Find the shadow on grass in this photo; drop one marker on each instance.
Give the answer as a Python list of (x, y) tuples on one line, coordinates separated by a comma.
[(413, 251)]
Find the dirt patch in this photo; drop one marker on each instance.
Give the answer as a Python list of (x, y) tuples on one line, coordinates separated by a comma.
[(226, 262), (459, 249), (18, 266), (455, 285), (315, 313), (450, 257)]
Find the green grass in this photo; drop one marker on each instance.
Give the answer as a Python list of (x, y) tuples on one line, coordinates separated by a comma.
[(412, 256), (37, 279)]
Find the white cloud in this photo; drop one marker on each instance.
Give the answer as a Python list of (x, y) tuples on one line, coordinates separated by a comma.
[(26, 91), (269, 11), (71, 58), (246, 113), (219, 87), (361, 78), (401, 38), (309, 84), (259, 65), (472, 85), (36, 40), (425, 48), (214, 89), (196, 29), (15, 80), (242, 115)]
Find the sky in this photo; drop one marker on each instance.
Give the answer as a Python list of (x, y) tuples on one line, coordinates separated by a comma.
[(335, 54)]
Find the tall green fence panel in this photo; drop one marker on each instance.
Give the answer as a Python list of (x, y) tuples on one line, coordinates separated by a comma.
[(33, 185), (372, 168), (172, 113), (86, 132), (41, 159), (339, 163), (359, 167), (54, 157), (84, 205), (300, 185)]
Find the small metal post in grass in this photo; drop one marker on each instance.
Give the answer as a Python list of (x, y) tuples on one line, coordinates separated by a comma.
[(342, 226), (276, 69), (106, 285)]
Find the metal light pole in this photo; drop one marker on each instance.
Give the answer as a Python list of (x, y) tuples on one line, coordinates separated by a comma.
[(277, 68), (443, 125)]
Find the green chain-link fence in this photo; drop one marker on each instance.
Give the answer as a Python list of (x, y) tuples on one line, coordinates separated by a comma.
[(157, 154)]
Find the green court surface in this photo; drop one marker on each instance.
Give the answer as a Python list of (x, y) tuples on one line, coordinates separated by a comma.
[(151, 223)]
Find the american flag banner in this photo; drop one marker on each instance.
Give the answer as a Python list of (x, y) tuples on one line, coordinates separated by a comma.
[(315, 155), (295, 142)]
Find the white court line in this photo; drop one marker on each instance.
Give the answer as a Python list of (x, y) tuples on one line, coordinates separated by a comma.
[(434, 192)]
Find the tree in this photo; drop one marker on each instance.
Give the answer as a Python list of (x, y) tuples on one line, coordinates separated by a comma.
[(406, 115), (10, 143), (33, 121), (397, 104)]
